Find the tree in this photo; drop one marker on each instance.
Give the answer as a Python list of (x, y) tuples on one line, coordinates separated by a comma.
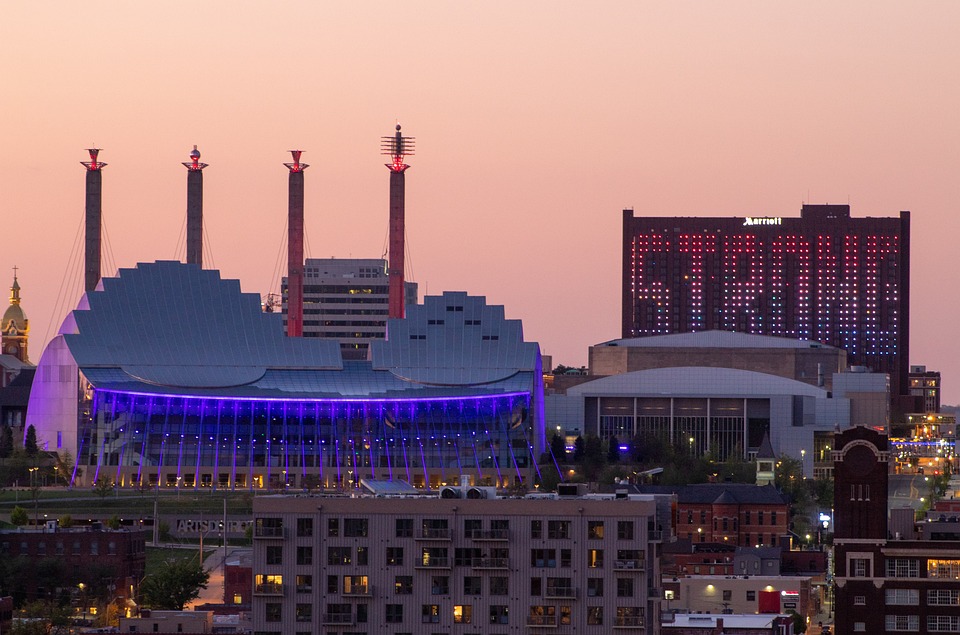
[(66, 521), (19, 516), (592, 457), (173, 584), (613, 450), (65, 467), (6, 442), (30, 442), (558, 448), (579, 449), (103, 486), (113, 522)]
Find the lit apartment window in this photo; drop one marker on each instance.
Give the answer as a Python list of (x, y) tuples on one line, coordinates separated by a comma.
[(403, 584), (595, 558), (463, 614), (595, 529)]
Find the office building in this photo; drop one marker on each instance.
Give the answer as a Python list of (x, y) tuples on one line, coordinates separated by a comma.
[(347, 299), (825, 277), (458, 563)]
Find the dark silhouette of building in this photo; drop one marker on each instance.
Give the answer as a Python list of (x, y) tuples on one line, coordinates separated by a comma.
[(825, 277)]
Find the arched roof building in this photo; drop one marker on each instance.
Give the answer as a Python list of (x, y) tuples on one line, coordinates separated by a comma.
[(183, 381)]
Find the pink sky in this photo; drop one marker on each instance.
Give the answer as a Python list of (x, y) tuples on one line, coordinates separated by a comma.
[(536, 123)]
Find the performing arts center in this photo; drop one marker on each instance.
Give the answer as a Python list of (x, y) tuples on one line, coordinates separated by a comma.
[(169, 376)]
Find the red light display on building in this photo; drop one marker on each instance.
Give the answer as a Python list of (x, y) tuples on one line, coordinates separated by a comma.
[(824, 276)]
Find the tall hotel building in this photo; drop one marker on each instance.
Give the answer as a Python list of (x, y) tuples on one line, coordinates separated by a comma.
[(825, 277), (461, 563), (347, 299)]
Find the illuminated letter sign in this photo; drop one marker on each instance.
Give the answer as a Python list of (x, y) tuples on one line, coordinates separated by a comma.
[(749, 221)]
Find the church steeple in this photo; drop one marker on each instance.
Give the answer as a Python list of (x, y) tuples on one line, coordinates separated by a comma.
[(15, 326), (766, 462)]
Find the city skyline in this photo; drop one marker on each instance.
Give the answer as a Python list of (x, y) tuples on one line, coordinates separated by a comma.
[(536, 125)]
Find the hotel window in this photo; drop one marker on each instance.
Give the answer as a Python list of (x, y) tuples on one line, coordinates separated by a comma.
[(333, 527), (403, 584), (339, 555), (943, 623), (595, 615), (404, 528), (902, 623), (595, 529), (543, 558), (943, 597), (304, 555), (304, 527), (394, 613), (394, 556), (356, 584), (625, 530), (499, 585), (440, 585), (566, 615), (462, 614), (355, 527), (274, 554), (472, 527), (541, 615), (304, 612), (273, 612), (304, 583), (903, 568), (595, 587), (859, 568), (430, 614), (943, 569), (472, 585), (499, 614), (595, 558), (558, 529), (903, 597)]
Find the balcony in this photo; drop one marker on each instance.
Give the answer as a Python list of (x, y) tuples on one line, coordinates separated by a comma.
[(269, 533), (433, 563), (560, 593), (268, 588), (359, 590), (628, 565), (428, 533), (498, 535), (338, 618), (542, 621), (628, 622), (490, 563)]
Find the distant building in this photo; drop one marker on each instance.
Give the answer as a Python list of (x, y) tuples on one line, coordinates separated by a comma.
[(737, 514), (825, 276), (729, 624), (95, 561), (15, 327), (896, 576), (925, 386), (168, 622), (347, 299), (458, 563), (806, 361), (740, 594)]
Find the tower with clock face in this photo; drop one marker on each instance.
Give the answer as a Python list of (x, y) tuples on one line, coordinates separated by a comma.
[(15, 327)]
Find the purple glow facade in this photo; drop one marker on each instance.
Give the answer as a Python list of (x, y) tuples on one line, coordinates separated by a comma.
[(154, 440)]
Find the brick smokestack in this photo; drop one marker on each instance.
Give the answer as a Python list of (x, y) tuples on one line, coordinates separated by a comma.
[(195, 208), (295, 246), (93, 220), (397, 147)]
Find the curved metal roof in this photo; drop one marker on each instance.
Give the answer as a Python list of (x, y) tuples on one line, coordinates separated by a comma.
[(696, 381), (714, 339), (174, 324)]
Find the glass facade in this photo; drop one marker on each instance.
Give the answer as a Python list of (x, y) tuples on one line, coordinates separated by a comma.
[(164, 440)]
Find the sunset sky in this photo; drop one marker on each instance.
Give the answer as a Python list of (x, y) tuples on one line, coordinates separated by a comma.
[(536, 123)]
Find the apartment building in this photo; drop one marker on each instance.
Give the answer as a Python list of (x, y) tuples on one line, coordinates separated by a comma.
[(460, 563)]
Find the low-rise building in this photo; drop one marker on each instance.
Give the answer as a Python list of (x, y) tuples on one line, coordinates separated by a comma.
[(395, 564)]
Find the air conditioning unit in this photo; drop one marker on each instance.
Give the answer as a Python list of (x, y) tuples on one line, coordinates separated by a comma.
[(482, 492), (451, 492)]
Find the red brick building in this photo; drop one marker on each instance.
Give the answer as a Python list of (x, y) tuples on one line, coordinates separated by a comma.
[(40, 563)]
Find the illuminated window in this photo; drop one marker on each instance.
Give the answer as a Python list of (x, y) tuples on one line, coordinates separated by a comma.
[(462, 614), (943, 569)]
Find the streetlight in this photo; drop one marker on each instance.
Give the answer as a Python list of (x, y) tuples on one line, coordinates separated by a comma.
[(803, 463), (33, 487)]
